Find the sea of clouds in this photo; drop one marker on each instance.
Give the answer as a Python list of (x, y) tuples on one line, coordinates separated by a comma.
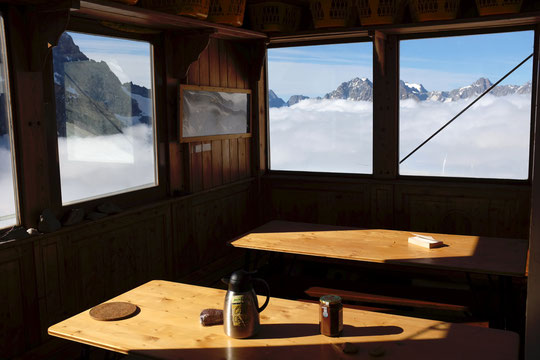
[(490, 140), (102, 165), (7, 198), (90, 167)]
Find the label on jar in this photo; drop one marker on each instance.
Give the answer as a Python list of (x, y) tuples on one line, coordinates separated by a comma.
[(238, 310)]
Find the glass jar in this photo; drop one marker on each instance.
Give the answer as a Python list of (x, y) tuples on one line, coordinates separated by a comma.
[(330, 315)]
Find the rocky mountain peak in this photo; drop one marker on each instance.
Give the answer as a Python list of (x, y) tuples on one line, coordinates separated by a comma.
[(275, 101), (361, 89), (67, 51), (295, 99), (358, 89)]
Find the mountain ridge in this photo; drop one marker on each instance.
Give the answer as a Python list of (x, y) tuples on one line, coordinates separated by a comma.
[(361, 89)]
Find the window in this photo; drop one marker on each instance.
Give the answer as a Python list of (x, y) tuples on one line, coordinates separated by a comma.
[(8, 204), (105, 116), (321, 108), (440, 78)]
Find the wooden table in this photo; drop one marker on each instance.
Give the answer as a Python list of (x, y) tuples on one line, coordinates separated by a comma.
[(167, 327), (478, 254)]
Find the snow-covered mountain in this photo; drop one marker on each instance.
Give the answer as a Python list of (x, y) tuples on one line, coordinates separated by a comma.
[(361, 89), (356, 89)]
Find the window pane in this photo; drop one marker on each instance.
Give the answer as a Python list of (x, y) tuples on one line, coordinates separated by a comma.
[(321, 108), (441, 77), (105, 116), (8, 206)]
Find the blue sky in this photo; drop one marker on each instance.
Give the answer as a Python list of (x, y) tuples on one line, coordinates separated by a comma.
[(437, 63), (130, 60)]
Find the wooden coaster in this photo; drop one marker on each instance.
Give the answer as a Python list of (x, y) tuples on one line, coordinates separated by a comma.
[(113, 311)]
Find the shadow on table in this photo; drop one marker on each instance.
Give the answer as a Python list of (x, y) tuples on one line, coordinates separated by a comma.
[(442, 341), (283, 331)]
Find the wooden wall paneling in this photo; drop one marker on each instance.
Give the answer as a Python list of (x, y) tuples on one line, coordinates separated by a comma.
[(176, 169), (204, 67), (259, 120), (86, 262), (182, 52), (385, 106), (242, 166), (231, 67), (220, 64), (294, 205), (233, 148), (223, 64), (328, 202), (242, 61), (19, 313), (207, 172), (56, 300), (218, 217), (176, 150), (185, 248), (214, 64), (33, 156), (496, 211), (196, 169), (226, 153), (155, 238), (217, 163), (119, 253), (462, 210), (382, 206), (193, 74), (249, 149)]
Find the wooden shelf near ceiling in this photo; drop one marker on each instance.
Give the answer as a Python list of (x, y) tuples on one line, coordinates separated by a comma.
[(457, 25), (134, 15)]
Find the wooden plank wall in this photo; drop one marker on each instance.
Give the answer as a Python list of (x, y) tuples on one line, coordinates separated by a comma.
[(468, 209), (217, 162), (50, 277)]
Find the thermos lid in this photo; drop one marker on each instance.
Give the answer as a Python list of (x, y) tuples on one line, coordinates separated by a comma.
[(240, 281), (330, 299)]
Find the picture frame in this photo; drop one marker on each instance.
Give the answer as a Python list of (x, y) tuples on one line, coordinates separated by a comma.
[(207, 112)]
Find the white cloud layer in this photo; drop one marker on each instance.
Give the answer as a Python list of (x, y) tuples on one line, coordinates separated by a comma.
[(106, 165), (490, 140), (7, 197), (322, 135)]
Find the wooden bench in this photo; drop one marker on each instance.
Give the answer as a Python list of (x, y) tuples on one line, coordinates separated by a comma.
[(386, 300), (373, 302)]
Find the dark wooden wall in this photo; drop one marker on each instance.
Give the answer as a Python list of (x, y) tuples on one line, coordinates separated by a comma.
[(467, 208), (51, 277), (217, 162)]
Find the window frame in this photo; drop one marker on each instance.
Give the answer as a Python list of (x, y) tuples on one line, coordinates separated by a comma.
[(130, 198), (316, 42), (483, 180), (424, 32), (5, 46)]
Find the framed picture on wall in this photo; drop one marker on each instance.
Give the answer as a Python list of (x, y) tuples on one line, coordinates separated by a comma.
[(212, 112)]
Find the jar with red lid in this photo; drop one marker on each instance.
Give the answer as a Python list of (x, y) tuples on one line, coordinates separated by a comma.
[(330, 315)]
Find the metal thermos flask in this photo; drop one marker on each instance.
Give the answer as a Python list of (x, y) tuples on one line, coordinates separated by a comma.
[(241, 309)]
